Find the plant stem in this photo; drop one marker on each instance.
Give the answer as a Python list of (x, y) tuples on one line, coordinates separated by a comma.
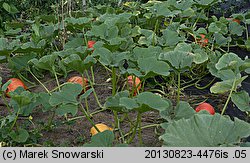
[(135, 128), (92, 74), (229, 97), (204, 87), (140, 130), (40, 82), (246, 31), (90, 115), (6, 103), (94, 92), (51, 119), (25, 79), (179, 87), (57, 81), (154, 34), (113, 81), (88, 118), (120, 131), (113, 94), (58, 87), (15, 120), (84, 89), (144, 127)]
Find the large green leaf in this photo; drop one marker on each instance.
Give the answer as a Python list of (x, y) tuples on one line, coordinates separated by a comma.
[(151, 66), (23, 102), (151, 51), (183, 110), (142, 102), (21, 97), (6, 47), (106, 57), (67, 108), (43, 99), (182, 5), (47, 62), (102, 139), (114, 102), (104, 54), (113, 19), (177, 59), (20, 136), (227, 74), (162, 9), (74, 62), (171, 37), (241, 100), (229, 60), (151, 101), (205, 130), (222, 87), (68, 94), (235, 28), (226, 85), (32, 47), (78, 23), (149, 37), (20, 62), (246, 66), (108, 33), (128, 103), (220, 39), (10, 8), (205, 2), (200, 56), (74, 43)]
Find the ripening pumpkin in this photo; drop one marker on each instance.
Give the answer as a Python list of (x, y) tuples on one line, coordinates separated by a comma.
[(15, 83), (205, 106), (203, 41), (79, 80), (134, 83), (101, 127), (91, 44), (234, 20)]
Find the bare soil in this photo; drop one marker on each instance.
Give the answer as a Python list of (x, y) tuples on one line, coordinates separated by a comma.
[(77, 132)]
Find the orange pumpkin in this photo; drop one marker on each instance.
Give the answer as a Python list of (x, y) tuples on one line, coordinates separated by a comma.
[(79, 80), (15, 83), (234, 20), (91, 44), (205, 106), (101, 127), (134, 83), (203, 41)]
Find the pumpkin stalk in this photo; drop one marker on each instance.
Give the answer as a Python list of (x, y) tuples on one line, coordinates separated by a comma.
[(113, 94)]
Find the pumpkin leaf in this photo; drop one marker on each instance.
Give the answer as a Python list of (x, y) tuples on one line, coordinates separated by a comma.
[(205, 130), (241, 100)]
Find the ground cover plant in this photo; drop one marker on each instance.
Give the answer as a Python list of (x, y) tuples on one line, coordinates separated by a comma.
[(124, 73)]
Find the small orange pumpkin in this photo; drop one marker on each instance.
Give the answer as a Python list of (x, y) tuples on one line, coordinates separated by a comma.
[(101, 127), (203, 41), (91, 44), (134, 83), (15, 83), (79, 80), (205, 106), (234, 20)]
